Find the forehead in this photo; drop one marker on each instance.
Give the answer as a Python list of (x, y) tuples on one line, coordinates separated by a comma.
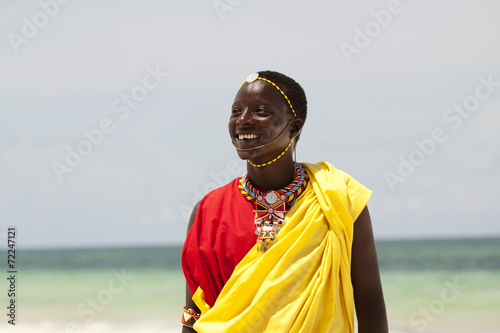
[(259, 91)]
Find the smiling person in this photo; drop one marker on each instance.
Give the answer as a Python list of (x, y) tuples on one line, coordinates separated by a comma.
[(287, 247)]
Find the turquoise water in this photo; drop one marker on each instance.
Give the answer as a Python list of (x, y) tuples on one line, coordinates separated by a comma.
[(82, 286), (442, 285), (456, 283)]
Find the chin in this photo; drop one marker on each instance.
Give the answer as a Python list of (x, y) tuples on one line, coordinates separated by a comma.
[(244, 155)]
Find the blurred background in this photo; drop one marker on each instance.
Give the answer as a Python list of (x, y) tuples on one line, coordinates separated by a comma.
[(113, 124)]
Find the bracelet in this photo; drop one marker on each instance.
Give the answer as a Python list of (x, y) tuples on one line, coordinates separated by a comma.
[(189, 317)]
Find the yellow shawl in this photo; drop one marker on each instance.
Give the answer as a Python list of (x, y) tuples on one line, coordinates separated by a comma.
[(303, 282)]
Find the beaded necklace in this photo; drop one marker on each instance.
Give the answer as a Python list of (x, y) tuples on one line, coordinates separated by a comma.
[(271, 206)]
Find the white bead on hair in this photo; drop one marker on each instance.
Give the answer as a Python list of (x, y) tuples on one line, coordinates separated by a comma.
[(252, 77)]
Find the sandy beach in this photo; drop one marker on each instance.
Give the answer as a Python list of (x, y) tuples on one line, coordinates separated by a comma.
[(97, 327), (459, 326)]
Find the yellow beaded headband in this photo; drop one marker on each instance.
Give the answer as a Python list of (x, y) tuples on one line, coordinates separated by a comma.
[(255, 76), (252, 78)]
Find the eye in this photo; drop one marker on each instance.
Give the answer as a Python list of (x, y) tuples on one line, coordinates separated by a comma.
[(235, 112), (262, 111)]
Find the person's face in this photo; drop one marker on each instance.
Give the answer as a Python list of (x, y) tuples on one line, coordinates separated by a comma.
[(259, 113)]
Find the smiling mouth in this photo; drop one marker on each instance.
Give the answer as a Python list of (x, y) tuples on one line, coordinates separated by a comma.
[(246, 136)]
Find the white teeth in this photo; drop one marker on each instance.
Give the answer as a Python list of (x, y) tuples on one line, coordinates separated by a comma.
[(247, 136)]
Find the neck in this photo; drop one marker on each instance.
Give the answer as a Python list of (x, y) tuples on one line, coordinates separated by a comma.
[(274, 176)]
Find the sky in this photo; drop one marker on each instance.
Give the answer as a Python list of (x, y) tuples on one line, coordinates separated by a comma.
[(113, 115)]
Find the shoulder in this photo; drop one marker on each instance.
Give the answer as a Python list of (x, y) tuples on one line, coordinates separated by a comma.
[(213, 200), (216, 199), (221, 192), (337, 184)]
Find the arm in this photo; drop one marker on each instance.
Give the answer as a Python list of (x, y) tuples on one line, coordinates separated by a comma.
[(189, 301), (365, 277)]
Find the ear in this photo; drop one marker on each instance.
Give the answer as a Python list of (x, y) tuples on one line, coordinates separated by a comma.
[(296, 126)]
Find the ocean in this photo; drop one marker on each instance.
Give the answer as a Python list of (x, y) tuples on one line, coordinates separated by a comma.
[(435, 286)]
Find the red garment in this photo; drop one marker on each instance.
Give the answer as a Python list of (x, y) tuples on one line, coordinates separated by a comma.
[(222, 234)]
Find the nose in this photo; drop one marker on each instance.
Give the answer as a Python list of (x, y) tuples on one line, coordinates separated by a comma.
[(245, 118)]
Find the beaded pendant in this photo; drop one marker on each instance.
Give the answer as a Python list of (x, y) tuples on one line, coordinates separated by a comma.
[(270, 207)]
